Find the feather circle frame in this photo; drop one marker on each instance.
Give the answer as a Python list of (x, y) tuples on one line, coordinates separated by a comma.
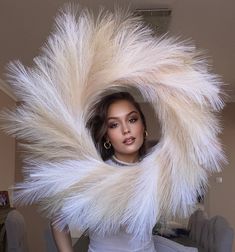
[(85, 57)]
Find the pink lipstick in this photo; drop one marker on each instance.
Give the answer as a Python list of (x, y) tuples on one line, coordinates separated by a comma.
[(129, 140)]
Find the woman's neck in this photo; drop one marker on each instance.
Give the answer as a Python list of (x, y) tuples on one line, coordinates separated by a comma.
[(129, 159)]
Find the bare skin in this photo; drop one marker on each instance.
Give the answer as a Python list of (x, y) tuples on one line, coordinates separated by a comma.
[(125, 130), (62, 239)]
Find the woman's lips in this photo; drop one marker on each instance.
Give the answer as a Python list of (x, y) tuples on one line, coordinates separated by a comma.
[(129, 140)]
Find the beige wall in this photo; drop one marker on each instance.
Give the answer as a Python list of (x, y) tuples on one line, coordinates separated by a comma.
[(220, 199), (7, 150)]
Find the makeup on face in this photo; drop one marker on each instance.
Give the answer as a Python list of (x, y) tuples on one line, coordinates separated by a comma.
[(114, 122), (125, 130)]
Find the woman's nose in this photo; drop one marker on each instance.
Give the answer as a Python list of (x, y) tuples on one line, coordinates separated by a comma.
[(126, 129)]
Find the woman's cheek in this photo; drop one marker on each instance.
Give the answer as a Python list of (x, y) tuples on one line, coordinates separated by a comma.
[(113, 135)]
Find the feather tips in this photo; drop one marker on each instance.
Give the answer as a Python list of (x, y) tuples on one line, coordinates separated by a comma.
[(84, 58)]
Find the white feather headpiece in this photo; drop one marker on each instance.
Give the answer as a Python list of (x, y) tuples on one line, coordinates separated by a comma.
[(64, 173)]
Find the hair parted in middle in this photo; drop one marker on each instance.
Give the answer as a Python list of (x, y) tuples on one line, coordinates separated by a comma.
[(97, 123)]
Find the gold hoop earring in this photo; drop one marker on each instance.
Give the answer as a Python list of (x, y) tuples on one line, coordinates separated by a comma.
[(107, 145), (145, 134)]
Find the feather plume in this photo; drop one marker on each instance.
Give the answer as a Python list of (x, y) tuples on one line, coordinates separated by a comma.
[(85, 57)]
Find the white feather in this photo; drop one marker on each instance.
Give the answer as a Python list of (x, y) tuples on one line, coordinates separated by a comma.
[(64, 173)]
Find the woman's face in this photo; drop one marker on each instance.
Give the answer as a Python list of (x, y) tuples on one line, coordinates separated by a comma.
[(125, 130)]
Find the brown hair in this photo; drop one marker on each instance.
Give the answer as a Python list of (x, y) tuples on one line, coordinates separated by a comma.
[(97, 121)]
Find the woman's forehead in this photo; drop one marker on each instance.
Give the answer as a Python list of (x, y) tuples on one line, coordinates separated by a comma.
[(121, 108)]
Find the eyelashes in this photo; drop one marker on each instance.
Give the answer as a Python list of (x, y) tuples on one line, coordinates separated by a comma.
[(113, 125), (133, 120)]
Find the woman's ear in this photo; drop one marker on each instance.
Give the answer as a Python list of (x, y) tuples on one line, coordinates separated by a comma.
[(106, 138)]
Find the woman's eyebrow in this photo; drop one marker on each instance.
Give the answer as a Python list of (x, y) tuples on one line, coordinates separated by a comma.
[(132, 112)]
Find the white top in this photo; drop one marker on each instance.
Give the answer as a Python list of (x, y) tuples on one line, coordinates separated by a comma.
[(121, 242)]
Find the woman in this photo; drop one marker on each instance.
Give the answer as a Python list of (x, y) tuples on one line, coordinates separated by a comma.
[(118, 128), (64, 173)]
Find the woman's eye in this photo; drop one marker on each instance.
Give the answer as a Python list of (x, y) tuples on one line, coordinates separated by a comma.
[(113, 125), (133, 120)]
